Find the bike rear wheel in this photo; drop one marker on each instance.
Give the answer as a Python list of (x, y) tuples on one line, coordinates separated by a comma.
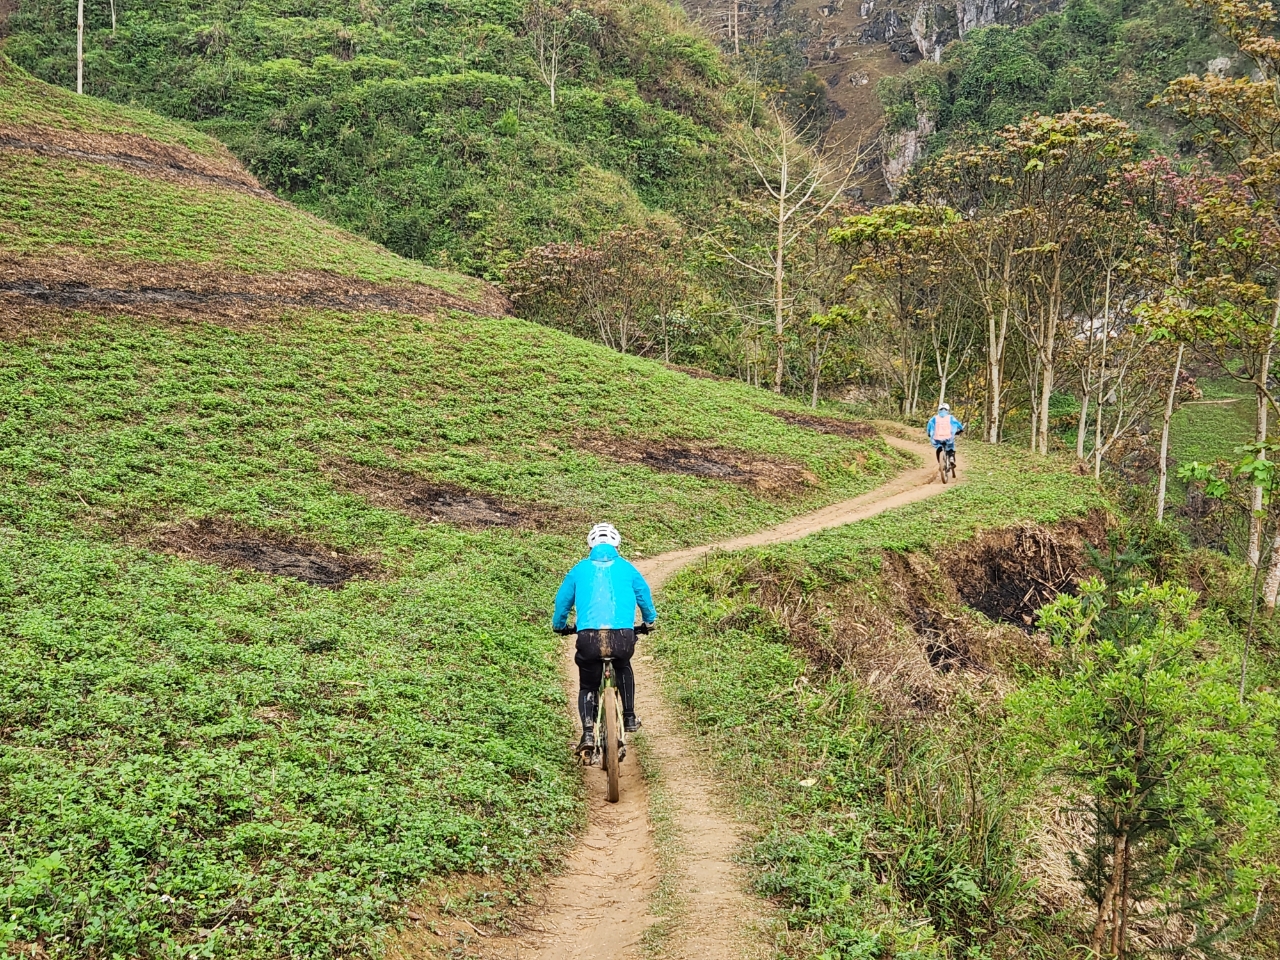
[(942, 464), (612, 739)]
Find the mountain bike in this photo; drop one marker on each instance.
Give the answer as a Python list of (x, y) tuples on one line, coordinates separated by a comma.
[(611, 736), (946, 462)]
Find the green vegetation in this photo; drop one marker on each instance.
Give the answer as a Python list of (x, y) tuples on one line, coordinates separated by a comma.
[(25, 101), (52, 206), (197, 759), (1211, 429), (425, 127), (1139, 716), (890, 826), (1119, 53), (213, 750)]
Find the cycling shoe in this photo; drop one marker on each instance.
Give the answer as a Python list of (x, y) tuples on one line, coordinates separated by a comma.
[(631, 724)]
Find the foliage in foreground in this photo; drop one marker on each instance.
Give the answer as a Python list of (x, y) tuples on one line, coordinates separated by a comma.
[(888, 833), (1172, 767)]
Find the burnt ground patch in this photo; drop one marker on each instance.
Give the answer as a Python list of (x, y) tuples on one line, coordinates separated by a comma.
[(170, 162), (832, 425), (760, 473), (1010, 573), (231, 545), (438, 502), (207, 292)]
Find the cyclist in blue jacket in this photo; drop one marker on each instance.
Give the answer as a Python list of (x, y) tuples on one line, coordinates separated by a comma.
[(606, 590), (943, 429)]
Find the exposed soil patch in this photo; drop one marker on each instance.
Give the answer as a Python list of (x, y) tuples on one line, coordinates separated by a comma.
[(1011, 573), (760, 473), (911, 636), (199, 291), (162, 161), (229, 545), (443, 502), (698, 373), (833, 425)]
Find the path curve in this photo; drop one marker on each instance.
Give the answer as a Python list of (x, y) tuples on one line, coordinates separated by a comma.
[(598, 908)]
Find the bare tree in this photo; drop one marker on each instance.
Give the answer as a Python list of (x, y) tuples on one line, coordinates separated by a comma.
[(1164, 434), (550, 29), (80, 46), (953, 335), (798, 184)]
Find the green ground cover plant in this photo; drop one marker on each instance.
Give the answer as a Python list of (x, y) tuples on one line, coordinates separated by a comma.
[(427, 128), (49, 206), (280, 764), (1208, 432), (24, 100)]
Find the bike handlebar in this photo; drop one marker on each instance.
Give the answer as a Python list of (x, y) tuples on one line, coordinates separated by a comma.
[(640, 628)]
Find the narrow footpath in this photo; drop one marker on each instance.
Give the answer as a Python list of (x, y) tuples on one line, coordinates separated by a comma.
[(599, 907)]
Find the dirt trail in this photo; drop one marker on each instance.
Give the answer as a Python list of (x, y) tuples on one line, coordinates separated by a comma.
[(599, 907)]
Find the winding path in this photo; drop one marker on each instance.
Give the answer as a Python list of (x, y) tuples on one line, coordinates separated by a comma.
[(599, 907)]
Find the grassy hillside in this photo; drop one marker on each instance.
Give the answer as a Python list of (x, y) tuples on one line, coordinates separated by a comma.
[(425, 127), (1119, 53), (853, 688), (275, 580)]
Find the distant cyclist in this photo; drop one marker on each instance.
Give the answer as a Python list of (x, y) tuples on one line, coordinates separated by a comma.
[(606, 590), (943, 429)]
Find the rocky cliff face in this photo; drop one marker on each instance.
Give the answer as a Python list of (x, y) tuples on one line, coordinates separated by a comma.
[(854, 43)]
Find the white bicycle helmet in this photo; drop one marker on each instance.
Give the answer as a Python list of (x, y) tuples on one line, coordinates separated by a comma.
[(604, 533), (944, 408)]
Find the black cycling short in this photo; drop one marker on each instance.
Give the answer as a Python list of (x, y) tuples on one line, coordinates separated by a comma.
[(594, 646)]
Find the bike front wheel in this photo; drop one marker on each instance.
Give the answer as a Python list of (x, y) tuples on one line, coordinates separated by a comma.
[(612, 740)]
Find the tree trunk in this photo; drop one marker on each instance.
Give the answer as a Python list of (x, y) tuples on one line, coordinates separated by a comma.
[(1271, 587), (995, 353), (1086, 381), (779, 253), (80, 47), (1260, 435), (1047, 361), (1033, 380), (1046, 391), (1106, 907), (113, 17), (1082, 427), (1164, 435)]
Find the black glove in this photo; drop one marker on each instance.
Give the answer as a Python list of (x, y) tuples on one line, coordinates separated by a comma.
[(644, 628), (565, 631)]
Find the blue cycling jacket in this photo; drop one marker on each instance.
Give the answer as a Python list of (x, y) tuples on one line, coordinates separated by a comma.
[(606, 590), (957, 428)]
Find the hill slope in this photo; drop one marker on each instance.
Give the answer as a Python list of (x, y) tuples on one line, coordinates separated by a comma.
[(278, 537), (425, 127)]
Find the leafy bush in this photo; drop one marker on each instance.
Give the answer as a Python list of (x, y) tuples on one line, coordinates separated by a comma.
[(413, 125)]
